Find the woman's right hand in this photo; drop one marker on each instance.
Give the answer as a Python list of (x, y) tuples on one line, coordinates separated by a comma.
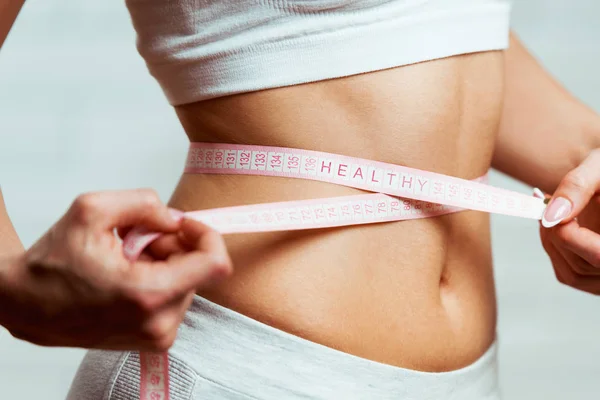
[(75, 288)]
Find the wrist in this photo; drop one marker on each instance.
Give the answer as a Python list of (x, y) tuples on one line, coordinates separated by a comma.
[(10, 266)]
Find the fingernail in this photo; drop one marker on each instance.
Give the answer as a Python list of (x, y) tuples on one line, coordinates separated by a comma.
[(176, 214), (558, 209)]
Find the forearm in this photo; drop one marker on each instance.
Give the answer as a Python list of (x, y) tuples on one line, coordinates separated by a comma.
[(544, 132), (9, 9), (9, 240)]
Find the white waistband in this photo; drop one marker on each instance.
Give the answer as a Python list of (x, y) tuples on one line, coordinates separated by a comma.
[(262, 362)]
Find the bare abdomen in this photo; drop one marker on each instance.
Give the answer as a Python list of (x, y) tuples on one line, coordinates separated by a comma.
[(417, 294)]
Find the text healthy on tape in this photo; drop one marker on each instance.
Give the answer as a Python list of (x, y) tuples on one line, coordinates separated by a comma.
[(397, 193)]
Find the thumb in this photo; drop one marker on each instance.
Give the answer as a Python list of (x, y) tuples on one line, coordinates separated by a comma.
[(574, 192)]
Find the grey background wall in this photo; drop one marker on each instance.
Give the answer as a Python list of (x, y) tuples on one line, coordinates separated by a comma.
[(79, 112)]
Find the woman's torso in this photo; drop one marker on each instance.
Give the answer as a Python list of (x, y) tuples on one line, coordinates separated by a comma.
[(417, 294)]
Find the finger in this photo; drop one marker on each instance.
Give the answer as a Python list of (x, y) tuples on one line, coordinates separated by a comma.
[(125, 208), (577, 264), (156, 332), (566, 272), (194, 270), (571, 275), (200, 236), (161, 327), (574, 192), (584, 242), (165, 246), (162, 281)]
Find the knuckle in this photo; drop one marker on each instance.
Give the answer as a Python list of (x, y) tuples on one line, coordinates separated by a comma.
[(26, 337), (567, 281), (139, 300), (561, 235), (566, 277), (576, 180), (84, 207), (157, 330), (579, 270), (139, 292), (222, 266), (143, 303), (164, 344), (149, 198), (594, 259), (560, 277), (19, 335)]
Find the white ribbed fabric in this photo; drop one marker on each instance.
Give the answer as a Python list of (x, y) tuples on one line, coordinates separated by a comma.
[(201, 49)]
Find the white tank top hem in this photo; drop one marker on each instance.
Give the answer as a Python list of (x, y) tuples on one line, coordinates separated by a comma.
[(218, 49)]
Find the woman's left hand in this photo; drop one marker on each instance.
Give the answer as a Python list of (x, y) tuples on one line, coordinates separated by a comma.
[(570, 229)]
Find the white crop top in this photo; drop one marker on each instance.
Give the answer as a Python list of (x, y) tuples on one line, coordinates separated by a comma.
[(201, 49)]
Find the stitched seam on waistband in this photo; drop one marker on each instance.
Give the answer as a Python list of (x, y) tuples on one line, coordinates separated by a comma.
[(184, 381), (116, 375)]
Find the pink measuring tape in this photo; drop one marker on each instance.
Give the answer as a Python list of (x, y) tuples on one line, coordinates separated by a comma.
[(397, 193)]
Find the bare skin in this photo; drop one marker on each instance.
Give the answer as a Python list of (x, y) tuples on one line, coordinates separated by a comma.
[(416, 294)]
